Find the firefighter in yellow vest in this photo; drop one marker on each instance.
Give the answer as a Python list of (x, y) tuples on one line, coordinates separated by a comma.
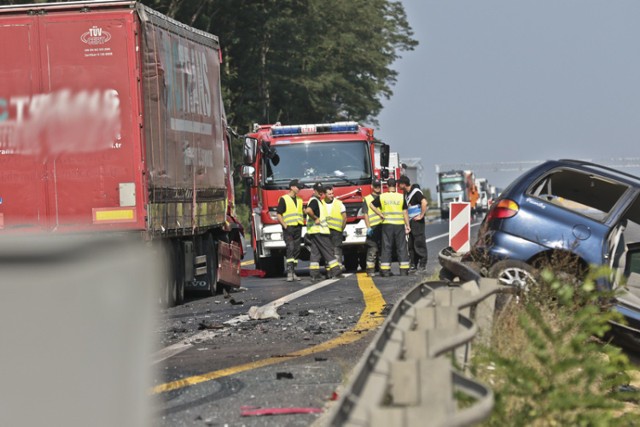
[(318, 236), (374, 228), (392, 208), (289, 212), (336, 220)]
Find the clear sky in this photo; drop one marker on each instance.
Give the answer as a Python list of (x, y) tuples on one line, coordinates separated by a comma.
[(517, 80)]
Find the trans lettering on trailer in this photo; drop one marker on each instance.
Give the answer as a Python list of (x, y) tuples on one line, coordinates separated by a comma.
[(187, 82)]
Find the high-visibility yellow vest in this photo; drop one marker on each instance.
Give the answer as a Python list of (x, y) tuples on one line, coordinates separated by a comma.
[(391, 207), (312, 227), (334, 217), (293, 212), (374, 218)]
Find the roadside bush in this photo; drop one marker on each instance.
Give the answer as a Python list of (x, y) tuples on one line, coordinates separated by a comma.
[(548, 364), (243, 212)]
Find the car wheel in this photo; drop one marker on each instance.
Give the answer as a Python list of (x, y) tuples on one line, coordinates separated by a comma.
[(514, 273)]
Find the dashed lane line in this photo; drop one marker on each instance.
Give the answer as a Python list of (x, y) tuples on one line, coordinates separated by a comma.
[(374, 303)]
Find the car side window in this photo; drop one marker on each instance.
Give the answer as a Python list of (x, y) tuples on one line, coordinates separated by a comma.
[(580, 192)]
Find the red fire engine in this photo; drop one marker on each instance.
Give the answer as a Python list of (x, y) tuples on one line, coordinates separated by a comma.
[(343, 154)]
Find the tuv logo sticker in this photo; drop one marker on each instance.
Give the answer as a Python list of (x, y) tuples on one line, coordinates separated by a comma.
[(95, 36)]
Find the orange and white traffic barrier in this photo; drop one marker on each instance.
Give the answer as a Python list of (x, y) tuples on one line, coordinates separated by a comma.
[(459, 226)]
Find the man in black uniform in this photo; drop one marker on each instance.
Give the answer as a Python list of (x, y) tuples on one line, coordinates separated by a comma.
[(417, 208), (290, 217)]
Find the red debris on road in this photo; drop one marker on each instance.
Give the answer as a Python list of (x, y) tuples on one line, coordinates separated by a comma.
[(245, 272), (279, 411)]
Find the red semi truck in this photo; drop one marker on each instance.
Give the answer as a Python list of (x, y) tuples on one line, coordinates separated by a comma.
[(343, 154), (111, 120)]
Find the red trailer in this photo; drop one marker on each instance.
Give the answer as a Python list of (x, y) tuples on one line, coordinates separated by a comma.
[(111, 120)]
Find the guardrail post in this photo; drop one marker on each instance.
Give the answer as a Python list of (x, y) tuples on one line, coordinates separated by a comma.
[(422, 389), (408, 380)]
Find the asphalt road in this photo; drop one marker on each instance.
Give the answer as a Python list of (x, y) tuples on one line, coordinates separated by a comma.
[(213, 364)]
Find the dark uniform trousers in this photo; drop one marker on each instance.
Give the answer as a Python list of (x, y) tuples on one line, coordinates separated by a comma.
[(394, 235), (321, 247), (336, 242), (292, 239), (373, 246), (418, 244)]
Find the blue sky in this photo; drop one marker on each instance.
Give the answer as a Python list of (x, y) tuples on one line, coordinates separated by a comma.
[(496, 81)]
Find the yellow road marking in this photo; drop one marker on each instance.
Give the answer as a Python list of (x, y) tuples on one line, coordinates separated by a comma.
[(243, 263), (374, 303)]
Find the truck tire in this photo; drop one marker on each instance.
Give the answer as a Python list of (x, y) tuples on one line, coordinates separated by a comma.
[(178, 270), (168, 292), (211, 252)]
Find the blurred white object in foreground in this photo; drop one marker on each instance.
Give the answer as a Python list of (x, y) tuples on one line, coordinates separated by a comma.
[(76, 322)]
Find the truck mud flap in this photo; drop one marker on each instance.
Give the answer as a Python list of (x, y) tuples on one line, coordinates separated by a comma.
[(229, 263)]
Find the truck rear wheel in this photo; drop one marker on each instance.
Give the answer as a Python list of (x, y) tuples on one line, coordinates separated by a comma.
[(178, 270), (211, 252), (169, 290)]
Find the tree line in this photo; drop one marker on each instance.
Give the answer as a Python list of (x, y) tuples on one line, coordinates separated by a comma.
[(299, 61)]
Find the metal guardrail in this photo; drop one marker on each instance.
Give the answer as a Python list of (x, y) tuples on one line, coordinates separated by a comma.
[(407, 376)]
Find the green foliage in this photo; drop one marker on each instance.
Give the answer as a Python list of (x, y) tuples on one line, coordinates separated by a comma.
[(547, 365), (243, 214), (427, 194), (300, 61)]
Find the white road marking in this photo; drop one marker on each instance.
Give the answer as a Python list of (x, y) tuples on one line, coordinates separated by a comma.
[(187, 343), (431, 239)]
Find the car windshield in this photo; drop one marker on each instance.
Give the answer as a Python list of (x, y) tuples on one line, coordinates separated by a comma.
[(451, 187), (333, 162)]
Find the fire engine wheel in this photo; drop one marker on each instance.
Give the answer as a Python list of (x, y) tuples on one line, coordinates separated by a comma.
[(272, 266), (362, 261), (351, 262)]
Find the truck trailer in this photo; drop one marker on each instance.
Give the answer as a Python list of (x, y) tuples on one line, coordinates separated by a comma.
[(456, 186), (111, 121), (343, 154)]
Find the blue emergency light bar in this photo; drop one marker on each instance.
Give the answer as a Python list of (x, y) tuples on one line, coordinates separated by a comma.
[(338, 127)]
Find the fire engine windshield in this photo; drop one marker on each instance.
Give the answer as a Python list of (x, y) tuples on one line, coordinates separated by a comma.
[(330, 162)]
